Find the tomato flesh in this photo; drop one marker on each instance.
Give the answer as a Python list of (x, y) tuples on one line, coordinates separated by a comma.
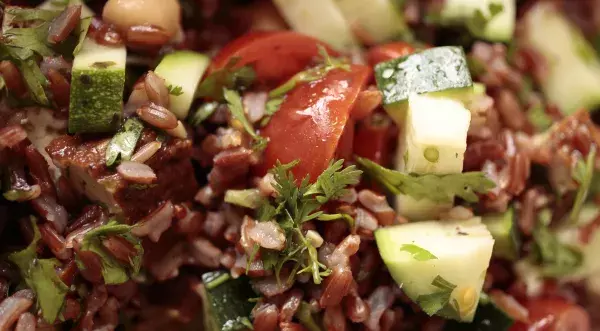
[(554, 315), (311, 120), (275, 56), (388, 52)]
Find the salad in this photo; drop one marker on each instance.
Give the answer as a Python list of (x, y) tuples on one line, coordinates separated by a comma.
[(316, 165)]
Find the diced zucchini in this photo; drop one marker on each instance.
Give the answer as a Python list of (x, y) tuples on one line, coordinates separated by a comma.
[(493, 20), (55, 5), (182, 69), (419, 255), (489, 317), (434, 140), (321, 19), (442, 71), (226, 302), (506, 234), (380, 20), (572, 67), (97, 83)]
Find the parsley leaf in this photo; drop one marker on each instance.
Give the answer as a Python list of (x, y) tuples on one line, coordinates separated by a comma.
[(249, 198), (35, 80), (230, 77), (305, 316), (556, 258), (203, 112), (271, 107), (296, 204), (236, 108), (113, 270), (418, 253), (175, 90), (40, 276), (582, 174), (311, 74), (436, 301), (122, 144), (439, 188), (83, 28)]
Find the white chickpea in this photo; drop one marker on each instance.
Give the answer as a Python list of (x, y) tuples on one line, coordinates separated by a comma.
[(165, 14)]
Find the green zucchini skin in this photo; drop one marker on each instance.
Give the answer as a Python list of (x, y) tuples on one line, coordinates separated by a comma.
[(488, 317), (227, 305)]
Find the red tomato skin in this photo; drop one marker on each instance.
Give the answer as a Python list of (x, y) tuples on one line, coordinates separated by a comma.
[(374, 140), (311, 120), (388, 52), (274, 55), (554, 315)]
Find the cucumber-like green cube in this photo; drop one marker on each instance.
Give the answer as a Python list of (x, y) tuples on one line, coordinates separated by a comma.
[(380, 20), (439, 70), (416, 254), (54, 5), (504, 230), (97, 83), (182, 71)]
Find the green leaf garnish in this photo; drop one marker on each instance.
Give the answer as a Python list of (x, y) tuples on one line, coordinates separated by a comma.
[(582, 174), (236, 108), (479, 20), (203, 112), (311, 74), (230, 77), (305, 316), (439, 188), (84, 26), (556, 258), (418, 253), (436, 301), (113, 270), (296, 204), (538, 117), (40, 276), (175, 90), (122, 144), (35, 80)]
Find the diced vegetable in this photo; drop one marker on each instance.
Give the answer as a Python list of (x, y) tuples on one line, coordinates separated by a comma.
[(226, 305), (442, 71), (58, 5), (182, 70), (449, 282), (321, 19), (572, 69), (378, 20), (434, 141), (97, 83), (489, 317), (493, 20), (506, 234)]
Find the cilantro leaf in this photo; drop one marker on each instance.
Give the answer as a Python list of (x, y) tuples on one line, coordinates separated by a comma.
[(230, 77), (271, 107), (113, 270), (236, 108), (203, 112), (35, 80), (418, 253), (332, 182), (556, 258), (40, 276), (83, 28), (122, 144), (175, 90), (16, 14), (439, 188), (582, 174), (311, 74), (436, 301)]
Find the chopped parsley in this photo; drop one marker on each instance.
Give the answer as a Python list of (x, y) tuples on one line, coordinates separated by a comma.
[(84, 26), (175, 90), (439, 188), (230, 77), (122, 144), (305, 316), (418, 253), (582, 174), (249, 198), (555, 258), (296, 204), (236, 108), (113, 270), (203, 112), (438, 300), (40, 276)]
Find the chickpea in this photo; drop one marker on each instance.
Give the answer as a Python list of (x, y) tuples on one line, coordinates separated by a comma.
[(165, 14)]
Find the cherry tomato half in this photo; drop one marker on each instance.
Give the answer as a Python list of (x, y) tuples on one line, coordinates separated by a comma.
[(275, 56), (554, 315), (389, 51), (374, 139), (311, 120)]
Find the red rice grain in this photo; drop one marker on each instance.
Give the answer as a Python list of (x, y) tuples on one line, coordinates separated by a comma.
[(13, 79), (156, 223), (64, 24), (265, 317), (157, 116), (156, 89), (26, 322), (144, 36), (12, 307), (136, 172)]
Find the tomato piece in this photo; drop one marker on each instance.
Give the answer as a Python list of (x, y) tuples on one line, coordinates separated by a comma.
[(554, 315), (311, 120), (374, 138), (275, 56), (389, 51)]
